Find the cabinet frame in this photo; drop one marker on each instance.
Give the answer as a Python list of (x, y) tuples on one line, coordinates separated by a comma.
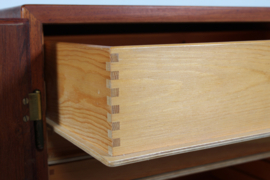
[(38, 15)]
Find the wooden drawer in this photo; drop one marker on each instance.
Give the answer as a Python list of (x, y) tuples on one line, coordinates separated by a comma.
[(124, 104)]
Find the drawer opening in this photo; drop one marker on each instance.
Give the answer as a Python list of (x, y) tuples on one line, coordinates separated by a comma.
[(155, 33), (138, 101)]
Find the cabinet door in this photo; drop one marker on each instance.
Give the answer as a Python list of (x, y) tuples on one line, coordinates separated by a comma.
[(19, 157)]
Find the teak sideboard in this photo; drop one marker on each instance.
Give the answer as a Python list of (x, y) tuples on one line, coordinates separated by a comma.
[(145, 90)]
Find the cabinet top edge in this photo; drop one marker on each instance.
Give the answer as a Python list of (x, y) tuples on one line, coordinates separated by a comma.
[(57, 14)]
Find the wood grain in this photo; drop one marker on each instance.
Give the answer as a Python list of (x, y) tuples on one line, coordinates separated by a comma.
[(235, 14), (133, 14), (17, 145), (190, 94), (60, 149), (37, 83), (14, 12), (115, 161), (165, 168), (37, 80), (76, 90), (170, 95)]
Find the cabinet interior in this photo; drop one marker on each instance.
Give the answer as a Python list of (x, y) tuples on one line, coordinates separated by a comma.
[(142, 34), (61, 150), (155, 33)]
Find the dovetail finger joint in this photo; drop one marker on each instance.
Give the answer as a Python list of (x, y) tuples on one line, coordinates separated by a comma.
[(116, 142), (115, 126)]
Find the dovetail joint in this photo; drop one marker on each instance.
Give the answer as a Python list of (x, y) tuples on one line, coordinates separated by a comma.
[(110, 151), (108, 83), (115, 92), (116, 142), (109, 117), (114, 75), (108, 66), (110, 134), (115, 126), (115, 109), (114, 58), (109, 101)]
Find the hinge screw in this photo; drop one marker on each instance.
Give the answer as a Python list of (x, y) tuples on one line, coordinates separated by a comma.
[(25, 118), (25, 101)]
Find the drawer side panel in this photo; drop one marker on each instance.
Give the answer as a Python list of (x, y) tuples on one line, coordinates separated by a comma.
[(193, 94)]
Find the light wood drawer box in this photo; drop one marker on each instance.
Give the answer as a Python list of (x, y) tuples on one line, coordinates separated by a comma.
[(124, 104)]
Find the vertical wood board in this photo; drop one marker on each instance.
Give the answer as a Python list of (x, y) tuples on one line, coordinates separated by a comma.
[(17, 145)]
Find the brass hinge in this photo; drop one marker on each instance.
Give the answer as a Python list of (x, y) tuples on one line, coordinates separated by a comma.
[(34, 101)]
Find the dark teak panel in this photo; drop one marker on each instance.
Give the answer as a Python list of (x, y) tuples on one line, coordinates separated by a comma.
[(14, 12), (53, 14), (18, 154)]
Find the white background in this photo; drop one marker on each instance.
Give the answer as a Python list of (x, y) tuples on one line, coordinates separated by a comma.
[(258, 3)]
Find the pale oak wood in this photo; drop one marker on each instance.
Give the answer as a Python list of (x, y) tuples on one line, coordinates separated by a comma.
[(190, 94), (114, 161), (183, 96), (60, 150), (76, 91)]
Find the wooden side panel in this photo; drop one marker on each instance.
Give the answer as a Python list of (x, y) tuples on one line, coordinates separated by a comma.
[(76, 90), (17, 145), (190, 95), (37, 82)]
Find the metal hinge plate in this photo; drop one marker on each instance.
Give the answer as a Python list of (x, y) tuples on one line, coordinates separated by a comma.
[(34, 106), (34, 101)]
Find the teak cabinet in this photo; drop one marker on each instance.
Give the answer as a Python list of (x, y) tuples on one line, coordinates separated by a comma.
[(154, 90)]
